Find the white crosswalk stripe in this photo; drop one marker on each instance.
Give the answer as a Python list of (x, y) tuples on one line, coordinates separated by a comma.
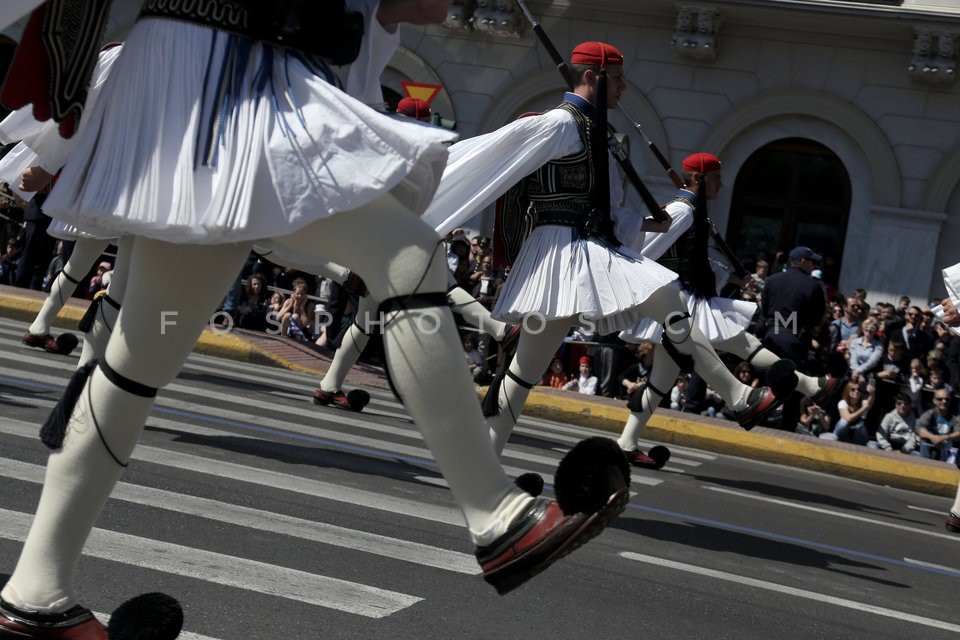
[(212, 400)]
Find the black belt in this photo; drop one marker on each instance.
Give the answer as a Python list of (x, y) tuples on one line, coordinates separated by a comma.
[(322, 29), (560, 219)]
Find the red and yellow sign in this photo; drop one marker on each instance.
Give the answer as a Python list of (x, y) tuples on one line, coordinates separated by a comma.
[(421, 90)]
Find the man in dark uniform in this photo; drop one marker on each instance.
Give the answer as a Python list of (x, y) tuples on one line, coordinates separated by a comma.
[(792, 305)]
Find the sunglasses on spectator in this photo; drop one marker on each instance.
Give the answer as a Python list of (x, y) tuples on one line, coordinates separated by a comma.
[(939, 399)]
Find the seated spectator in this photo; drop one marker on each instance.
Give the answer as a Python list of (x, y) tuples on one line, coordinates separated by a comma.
[(251, 312), (853, 408), (473, 357), (936, 379), (916, 341), (678, 394), (273, 308), (744, 373), (585, 383), (10, 261), (633, 379), (891, 368), (55, 267), (813, 419), (297, 315), (487, 285), (99, 280), (864, 351), (555, 377), (897, 429), (938, 428), (753, 284), (845, 328)]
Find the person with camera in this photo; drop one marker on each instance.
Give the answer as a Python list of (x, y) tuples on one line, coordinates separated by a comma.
[(813, 419)]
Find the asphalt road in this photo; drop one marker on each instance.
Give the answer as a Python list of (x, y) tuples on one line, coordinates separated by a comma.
[(268, 517)]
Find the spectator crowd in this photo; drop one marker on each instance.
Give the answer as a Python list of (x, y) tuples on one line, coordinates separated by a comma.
[(900, 364)]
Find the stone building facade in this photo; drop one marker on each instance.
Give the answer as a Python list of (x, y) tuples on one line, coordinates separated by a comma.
[(838, 121)]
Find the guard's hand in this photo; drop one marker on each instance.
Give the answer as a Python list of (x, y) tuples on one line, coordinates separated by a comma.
[(950, 314), (34, 179)]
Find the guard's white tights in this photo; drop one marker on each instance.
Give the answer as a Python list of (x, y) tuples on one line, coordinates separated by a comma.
[(85, 252), (355, 339), (159, 324), (536, 348), (665, 372)]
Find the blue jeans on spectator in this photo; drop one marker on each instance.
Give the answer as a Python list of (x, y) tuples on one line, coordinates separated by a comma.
[(856, 433)]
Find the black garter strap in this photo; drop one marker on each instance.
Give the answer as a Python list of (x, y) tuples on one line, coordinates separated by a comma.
[(635, 402), (113, 303), (754, 353), (414, 301), (130, 386), (69, 277), (516, 378)]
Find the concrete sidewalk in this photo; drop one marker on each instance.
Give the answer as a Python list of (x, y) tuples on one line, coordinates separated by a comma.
[(669, 427)]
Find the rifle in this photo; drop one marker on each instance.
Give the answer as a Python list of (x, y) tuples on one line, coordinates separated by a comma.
[(619, 154)]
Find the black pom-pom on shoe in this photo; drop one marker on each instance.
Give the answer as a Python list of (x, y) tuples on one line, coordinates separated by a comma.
[(589, 474), (782, 378), (358, 399), (532, 483), (150, 616)]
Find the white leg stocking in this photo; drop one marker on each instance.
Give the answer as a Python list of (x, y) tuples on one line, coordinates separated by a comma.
[(665, 305), (534, 351), (353, 343), (956, 503), (476, 314), (401, 257), (355, 339), (747, 347), (156, 330), (85, 252), (95, 340), (662, 377)]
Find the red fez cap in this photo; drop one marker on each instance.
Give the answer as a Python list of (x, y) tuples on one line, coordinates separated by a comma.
[(414, 108), (586, 360), (598, 53), (701, 163)]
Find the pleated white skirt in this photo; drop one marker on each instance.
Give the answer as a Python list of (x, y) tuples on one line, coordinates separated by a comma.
[(718, 318), (560, 275), (203, 137)]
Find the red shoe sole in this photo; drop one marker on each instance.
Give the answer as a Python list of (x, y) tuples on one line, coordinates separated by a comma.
[(505, 578)]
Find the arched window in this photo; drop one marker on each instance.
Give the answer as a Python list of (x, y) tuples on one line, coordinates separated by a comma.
[(791, 192)]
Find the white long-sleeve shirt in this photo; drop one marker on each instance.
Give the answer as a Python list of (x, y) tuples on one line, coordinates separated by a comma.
[(481, 169)]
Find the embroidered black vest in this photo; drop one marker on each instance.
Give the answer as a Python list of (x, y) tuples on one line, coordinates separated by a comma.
[(687, 257), (565, 184), (324, 29)]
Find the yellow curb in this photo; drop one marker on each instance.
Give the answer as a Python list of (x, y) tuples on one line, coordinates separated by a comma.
[(211, 342), (228, 345), (875, 467), (26, 309)]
